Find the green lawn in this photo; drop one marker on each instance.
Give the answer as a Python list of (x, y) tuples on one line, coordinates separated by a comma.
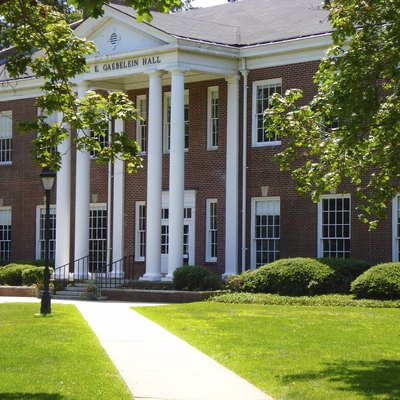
[(294, 352), (53, 358)]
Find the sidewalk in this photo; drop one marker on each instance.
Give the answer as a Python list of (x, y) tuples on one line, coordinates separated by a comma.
[(155, 364)]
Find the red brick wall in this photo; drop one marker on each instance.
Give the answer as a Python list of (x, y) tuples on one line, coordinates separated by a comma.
[(20, 184)]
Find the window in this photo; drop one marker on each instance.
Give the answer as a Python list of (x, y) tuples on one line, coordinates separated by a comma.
[(140, 227), (141, 123), (211, 230), (5, 137), (262, 92), (167, 121), (102, 139), (212, 118), (97, 238), (140, 231), (396, 228), (334, 226), (41, 230), (5, 233), (265, 231), (50, 119)]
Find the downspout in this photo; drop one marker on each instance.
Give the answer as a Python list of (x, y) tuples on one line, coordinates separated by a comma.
[(245, 74), (110, 192)]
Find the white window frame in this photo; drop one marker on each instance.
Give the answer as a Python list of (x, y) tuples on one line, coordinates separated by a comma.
[(210, 229), (6, 220), (103, 140), (256, 84), (141, 124), (396, 228), (40, 239), (254, 202), (212, 118), (320, 238), (6, 137), (167, 121), (98, 207), (138, 230)]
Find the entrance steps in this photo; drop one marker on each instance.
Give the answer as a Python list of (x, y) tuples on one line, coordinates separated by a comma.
[(77, 291)]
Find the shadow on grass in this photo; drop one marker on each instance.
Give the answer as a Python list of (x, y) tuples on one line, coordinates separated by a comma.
[(370, 378), (31, 396)]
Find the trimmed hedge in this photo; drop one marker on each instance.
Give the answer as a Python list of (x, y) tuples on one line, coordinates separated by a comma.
[(346, 270), (11, 274), (379, 282), (299, 276), (291, 277), (195, 277), (33, 275)]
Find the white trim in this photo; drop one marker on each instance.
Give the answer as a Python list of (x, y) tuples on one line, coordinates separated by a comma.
[(254, 200), (395, 216), (39, 208), (167, 99), (140, 123), (319, 219), (209, 202), (139, 204), (6, 133), (210, 91), (255, 142), (6, 219)]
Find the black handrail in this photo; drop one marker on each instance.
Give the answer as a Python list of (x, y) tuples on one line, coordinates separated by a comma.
[(115, 274)]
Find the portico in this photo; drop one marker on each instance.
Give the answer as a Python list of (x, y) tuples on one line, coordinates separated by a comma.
[(153, 61)]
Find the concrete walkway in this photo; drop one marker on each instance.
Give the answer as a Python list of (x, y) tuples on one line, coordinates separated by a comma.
[(155, 364)]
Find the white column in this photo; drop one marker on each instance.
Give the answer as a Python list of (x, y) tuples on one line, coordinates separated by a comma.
[(118, 209), (176, 172), (232, 177), (154, 179), (82, 198), (63, 202)]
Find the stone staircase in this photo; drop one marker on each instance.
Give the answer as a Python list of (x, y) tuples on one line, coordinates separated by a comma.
[(74, 292)]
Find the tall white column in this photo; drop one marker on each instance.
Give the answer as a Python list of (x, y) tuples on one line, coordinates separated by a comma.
[(82, 198), (176, 172), (232, 177), (63, 202), (118, 209), (154, 179)]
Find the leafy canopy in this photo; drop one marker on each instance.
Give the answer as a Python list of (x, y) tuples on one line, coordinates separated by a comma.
[(350, 132), (45, 47)]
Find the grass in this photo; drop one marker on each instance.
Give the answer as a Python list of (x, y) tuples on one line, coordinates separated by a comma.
[(295, 352), (56, 357)]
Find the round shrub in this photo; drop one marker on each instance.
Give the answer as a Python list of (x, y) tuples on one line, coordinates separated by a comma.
[(290, 277), (33, 275), (233, 283), (195, 277), (11, 274), (379, 282), (346, 270)]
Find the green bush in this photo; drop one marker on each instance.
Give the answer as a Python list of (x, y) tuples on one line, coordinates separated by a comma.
[(379, 282), (346, 270), (11, 274), (33, 275), (291, 277), (195, 277)]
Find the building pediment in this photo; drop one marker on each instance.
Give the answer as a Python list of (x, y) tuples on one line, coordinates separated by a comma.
[(115, 32)]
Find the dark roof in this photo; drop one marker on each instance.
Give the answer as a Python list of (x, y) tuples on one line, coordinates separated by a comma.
[(246, 22)]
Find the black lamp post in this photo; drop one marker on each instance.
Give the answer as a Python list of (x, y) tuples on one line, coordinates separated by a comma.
[(48, 176)]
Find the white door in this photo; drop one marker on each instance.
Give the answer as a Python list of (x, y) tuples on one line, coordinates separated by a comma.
[(188, 238)]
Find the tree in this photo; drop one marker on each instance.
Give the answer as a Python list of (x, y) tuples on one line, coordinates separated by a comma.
[(45, 47), (350, 132)]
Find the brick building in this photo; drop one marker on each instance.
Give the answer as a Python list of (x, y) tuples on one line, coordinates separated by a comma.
[(209, 192)]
